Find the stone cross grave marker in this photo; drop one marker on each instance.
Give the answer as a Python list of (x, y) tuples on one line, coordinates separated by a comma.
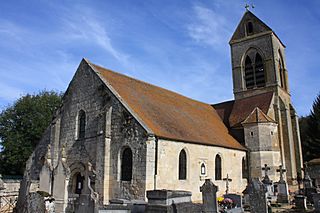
[(257, 196), (307, 182), (283, 194), (266, 179), (209, 196), (282, 171), (227, 179)]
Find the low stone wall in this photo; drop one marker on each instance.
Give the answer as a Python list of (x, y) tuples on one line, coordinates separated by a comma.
[(9, 195)]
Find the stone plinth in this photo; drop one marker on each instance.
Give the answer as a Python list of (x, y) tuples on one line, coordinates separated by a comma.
[(169, 201), (167, 197), (283, 194)]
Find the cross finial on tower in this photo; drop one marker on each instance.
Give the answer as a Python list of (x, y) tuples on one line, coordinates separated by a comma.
[(247, 6)]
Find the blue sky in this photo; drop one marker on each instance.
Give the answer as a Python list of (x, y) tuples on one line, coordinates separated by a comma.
[(181, 45)]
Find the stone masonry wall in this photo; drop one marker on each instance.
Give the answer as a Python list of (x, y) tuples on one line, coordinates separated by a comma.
[(87, 92), (168, 164)]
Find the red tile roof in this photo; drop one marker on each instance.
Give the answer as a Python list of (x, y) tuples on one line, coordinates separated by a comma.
[(168, 114), (243, 107), (257, 116)]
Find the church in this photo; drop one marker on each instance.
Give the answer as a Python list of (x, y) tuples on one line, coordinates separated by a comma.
[(115, 137)]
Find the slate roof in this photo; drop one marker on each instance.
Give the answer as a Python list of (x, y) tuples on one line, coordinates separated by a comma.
[(235, 112), (167, 114)]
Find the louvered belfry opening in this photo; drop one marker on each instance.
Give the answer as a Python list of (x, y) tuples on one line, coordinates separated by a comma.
[(254, 72)]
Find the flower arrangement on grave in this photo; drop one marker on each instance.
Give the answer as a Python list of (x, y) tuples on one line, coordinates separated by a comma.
[(225, 203)]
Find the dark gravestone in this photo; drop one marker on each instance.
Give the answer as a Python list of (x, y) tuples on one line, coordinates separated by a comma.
[(209, 196), (309, 194), (301, 202), (257, 196), (316, 202), (36, 203), (237, 199)]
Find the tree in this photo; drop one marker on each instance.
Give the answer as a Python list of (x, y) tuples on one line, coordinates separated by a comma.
[(22, 126), (310, 132)]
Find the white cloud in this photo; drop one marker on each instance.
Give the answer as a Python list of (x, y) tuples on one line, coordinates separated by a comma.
[(90, 30), (208, 27), (9, 93)]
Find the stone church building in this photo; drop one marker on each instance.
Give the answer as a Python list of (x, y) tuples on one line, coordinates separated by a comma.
[(117, 137)]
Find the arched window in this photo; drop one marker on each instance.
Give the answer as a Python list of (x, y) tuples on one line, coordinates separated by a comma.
[(126, 165), (259, 71), (203, 169), (244, 168), (249, 28), (182, 165), (282, 74), (82, 124), (254, 72), (78, 183), (249, 78), (218, 168)]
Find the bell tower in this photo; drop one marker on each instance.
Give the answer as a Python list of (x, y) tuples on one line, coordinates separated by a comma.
[(259, 67), (258, 60)]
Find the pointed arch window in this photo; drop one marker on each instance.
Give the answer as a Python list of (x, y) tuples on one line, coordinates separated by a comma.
[(259, 71), (249, 78), (282, 74), (82, 124), (126, 165), (218, 168), (183, 165), (244, 168)]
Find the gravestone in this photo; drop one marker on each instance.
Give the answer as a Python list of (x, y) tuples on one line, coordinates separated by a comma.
[(170, 201), (268, 184), (257, 196), (309, 190), (246, 198), (237, 199), (316, 202), (209, 196), (282, 188), (301, 202)]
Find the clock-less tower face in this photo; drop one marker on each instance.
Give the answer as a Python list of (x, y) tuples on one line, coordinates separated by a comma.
[(258, 63)]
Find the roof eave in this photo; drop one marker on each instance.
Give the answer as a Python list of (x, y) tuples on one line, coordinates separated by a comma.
[(242, 148)]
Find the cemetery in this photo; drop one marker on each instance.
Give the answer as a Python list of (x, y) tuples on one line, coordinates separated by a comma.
[(262, 195)]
